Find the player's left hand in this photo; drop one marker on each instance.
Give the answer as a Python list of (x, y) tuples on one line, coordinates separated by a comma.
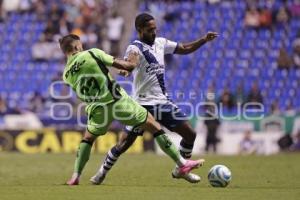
[(124, 73), (211, 36)]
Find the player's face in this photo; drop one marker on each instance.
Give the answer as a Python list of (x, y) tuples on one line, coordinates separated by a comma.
[(149, 32)]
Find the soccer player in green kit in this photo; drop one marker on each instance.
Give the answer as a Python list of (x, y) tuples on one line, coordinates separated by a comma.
[(86, 73)]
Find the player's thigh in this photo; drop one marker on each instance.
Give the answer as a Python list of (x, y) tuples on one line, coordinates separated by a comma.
[(137, 130), (175, 120), (99, 119), (89, 137), (168, 115), (129, 112)]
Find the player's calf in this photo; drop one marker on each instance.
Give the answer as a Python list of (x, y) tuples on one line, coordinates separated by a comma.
[(82, 157), (110, 159)]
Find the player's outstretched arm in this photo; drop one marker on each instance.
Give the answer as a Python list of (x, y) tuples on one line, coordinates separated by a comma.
[(129, 64), (186, 48)]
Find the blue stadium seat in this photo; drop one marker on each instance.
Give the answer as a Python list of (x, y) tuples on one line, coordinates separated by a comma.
[(239, 54)]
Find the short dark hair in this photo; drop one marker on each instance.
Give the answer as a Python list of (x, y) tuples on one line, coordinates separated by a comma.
[(142, 19), (66, 42)]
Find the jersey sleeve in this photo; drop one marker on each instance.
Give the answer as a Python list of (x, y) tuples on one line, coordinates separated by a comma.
[(104, 57), (169, 46), (132, 48)]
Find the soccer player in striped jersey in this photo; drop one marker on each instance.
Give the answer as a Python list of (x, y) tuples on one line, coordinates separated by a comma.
[(86, 73), (150, 92)]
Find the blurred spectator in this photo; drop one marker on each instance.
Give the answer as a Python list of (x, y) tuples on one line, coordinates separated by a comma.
[(7, 6), (296, 145), (86, 11), (295, 8), (40, 51), (55, 14), (213, 1), (247, 145), (65, 26), (275, 108), (2, 12), (282, 15), (45, 50), (211, 93), (3, 106), (212, 124), (254, 95), (39, 7), (296, 52), (9, 107), (10, 5), (285, 142), (290, 110), (37, 103), (25, 6), (89, 38), (50, 31), (78, 26), (82, 17), (284, 61), (240, 96), (226, 99), (265, 18), (17, 5), (172, 16), (115, 29), (72, 10), (252, 18)]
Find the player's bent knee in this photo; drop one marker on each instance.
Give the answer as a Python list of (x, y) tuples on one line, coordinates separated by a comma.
[(89, 137)]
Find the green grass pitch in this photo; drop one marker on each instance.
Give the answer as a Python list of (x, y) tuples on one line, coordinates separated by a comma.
[(147, 176)]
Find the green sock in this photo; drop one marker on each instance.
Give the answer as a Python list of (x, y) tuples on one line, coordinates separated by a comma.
[(83, 155), (168, 147)]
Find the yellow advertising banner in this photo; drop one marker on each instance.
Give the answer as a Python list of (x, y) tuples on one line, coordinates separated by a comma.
[(62, 141)]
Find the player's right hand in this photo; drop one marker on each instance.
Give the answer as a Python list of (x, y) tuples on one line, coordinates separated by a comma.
[(211, 35), (124, 73)]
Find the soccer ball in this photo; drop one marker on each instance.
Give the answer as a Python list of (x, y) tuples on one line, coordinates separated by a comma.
[(219, 176)]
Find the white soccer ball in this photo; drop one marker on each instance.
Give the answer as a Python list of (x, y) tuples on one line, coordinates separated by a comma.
[(219, 176)]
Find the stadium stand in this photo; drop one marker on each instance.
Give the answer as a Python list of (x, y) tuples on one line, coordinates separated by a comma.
[(241, 56)]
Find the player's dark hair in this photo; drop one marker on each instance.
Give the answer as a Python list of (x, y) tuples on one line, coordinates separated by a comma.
[(141, 20), (66, 42)]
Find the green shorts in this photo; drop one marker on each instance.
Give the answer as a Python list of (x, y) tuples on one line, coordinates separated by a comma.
[(125, 110)]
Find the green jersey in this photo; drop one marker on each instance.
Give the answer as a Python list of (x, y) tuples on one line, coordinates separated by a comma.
[(87, 74)]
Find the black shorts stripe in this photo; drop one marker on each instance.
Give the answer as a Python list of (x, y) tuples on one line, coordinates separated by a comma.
[(87, 142), (109, 163), (112, 159), (106, 168), (186, 145)]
